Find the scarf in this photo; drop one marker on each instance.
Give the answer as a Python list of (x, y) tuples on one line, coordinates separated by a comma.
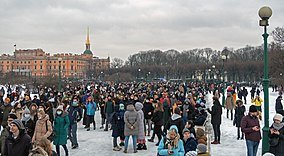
[(277, 126)]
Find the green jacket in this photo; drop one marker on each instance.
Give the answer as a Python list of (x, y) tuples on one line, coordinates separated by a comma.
[(61, 124)]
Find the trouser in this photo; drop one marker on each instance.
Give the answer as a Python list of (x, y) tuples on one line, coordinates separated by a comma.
[(239, 133), (108, 119), (245, 99), (252, 147), (134, 141), (90, 119), (85, 116), (114, 141), (231, 114), (157, 131), (217, 132), (103, 121), (149, 124), (72, 134), (58, 149)]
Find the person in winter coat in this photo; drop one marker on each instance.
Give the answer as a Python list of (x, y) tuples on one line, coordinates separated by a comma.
[(157, 119), (5, 110), (250, 126), (189, 142), (258, 103), (131, 120), (5, 132), (18, 110), (141, 131), (45, 144), (187, 110), (229, 104), (167, 108), (148, 111), (18, 143), (276, 136), (91, 108), (239, 114), (43, 127), (171, 144), (117, 125), (216, 117), (278, 106), (33, 110), (61, 124), (245, 94), (75, 115), (49, 111), (28, 122), (190, 126), (176, 120), (109, 110)]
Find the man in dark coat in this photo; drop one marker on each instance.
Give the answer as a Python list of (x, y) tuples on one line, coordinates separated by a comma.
[(250, 126), (18, 142), (148, 111), (279, 106), (176, 119), (245, 94), (216, 118)]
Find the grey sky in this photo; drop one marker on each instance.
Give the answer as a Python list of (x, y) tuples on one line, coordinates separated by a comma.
[(122, 27)]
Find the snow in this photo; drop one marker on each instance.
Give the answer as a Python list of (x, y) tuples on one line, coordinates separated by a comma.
[(99, 142)]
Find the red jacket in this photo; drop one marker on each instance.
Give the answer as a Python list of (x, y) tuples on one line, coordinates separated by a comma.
[(247, 123)]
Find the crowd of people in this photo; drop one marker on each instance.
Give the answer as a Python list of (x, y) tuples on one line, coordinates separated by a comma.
[(174, 112)]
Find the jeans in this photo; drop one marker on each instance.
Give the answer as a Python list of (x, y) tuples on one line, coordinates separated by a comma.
[(134, 140), (252, 147), (217, 133), (108, 119), (58, 150), (72, 134)]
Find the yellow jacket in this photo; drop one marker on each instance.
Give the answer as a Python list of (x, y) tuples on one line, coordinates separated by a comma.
[(257, 101)]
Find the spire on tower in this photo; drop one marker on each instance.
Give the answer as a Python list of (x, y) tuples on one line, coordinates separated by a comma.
[(88, 36)]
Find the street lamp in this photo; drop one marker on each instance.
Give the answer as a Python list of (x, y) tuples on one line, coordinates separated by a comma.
[(265, 13), (223, 57), (59, 74), (139, 70)]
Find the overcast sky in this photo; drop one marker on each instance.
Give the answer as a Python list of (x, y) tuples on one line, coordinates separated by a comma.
[(119, 28)]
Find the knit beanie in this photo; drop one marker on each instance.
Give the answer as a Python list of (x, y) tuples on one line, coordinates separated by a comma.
[(252, 109), (202, 148), (19, 124), (278, 117)]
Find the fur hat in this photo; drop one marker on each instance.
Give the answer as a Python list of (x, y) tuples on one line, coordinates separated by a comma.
[(278, 117), (252, 109)]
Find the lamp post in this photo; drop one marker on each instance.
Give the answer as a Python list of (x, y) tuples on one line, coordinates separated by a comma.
[(59, 74), (213, 71), (265, 13), (223, 57), (139, 70)]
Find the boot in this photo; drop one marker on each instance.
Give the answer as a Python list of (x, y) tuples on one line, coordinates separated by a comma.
[(144, 147), (151, 140), (214, 142), (121, 144), (125, 151), (139, 147)]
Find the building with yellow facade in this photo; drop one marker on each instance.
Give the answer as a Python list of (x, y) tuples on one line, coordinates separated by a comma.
[(36, 62)]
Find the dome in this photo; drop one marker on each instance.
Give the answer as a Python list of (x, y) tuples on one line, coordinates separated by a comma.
[(89, 52)]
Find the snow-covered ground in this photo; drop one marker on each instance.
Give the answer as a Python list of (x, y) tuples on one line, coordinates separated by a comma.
[(99, 143)]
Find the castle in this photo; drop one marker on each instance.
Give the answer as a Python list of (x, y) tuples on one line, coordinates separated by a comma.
[(36, 62)]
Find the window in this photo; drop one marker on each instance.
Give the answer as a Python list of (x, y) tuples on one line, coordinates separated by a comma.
[(63, 67), (54, 67), (35, 67), (40, 61), (50, 67), (49, 61), (29, 62), (25, 62), (71, 61), (40, 67), (17, 61), (54, 61), (35, 61), (21, 62), (72, 68), (63, 61), (7, 67)]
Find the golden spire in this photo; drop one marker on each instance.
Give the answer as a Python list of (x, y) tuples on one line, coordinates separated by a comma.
[(88, 37)]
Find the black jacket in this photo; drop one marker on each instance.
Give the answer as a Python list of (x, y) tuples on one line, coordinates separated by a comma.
[(157, 118), (176, 120), (279, 106), (216, 113), (148, 107), (277, 150), (19, 146), (30, 127), (239, 114)]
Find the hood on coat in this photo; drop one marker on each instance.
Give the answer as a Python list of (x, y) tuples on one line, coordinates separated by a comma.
[(175, 116), (130, 108), (174, 127), (138, 106)]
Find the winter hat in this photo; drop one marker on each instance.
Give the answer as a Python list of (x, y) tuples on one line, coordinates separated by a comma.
[(121, 106), (202, 148), (278, 117), (60, 107), (191, 153), (19, 124), (185, 130), (252, 109), (199, 132), (12, 115), (7, 100), (27, 111)]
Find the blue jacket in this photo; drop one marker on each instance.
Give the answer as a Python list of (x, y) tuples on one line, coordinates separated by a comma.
[(178, 151), (91, 108)]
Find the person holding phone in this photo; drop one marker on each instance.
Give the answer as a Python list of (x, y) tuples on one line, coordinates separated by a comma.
[(276, 136), (251, 128)]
